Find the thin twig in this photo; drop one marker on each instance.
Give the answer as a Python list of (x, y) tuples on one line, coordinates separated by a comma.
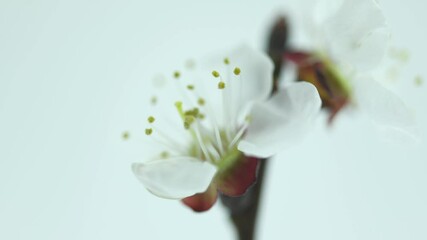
[(243, 210)]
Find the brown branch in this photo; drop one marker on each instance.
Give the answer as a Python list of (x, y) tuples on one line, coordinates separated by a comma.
[(244, 210)]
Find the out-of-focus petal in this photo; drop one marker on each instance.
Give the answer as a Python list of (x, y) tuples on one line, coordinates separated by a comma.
[(367, 53), (281, 121), (383, 106), (323, 9), (175, 178), (356, 34)]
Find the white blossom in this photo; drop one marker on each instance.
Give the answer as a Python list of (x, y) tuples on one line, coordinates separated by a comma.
[(224, 112)]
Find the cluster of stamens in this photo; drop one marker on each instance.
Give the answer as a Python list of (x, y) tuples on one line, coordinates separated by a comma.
[(210, 146)]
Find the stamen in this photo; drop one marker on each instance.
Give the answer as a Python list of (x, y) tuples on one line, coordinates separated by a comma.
[(201, 143), (221, 85), (226, 100), (213, 151), (236, 71), (193, 112), (239, 96), (201, 101), (148, 131), (184, 93), (151, 119), (125, 135), (166, 139), (226, 61), (239, 134), (178, 106), (215, 74), (190, 87), (176, 74), (188, 121), (176, 148), (231, 103), (211, 118)]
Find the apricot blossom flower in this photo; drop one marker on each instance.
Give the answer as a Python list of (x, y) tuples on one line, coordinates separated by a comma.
[(228, 123)]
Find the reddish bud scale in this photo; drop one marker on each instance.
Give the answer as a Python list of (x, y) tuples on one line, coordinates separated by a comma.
[(232, 182), (203, 201)]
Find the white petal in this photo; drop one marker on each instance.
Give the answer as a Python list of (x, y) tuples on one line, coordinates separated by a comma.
[(288, 75), (382, 105), (175, 178), (367, 54), (256, 76), (357, 34), (281, 121), (323, 9)]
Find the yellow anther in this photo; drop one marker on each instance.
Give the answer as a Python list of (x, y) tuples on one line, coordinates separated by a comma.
[(201, 101), (125, 135), (221, 85), (188, 121), (190, 87), (226, 61), (164, 154), (215, 74), (176, 74), (148, 131), (236, 71), (151, 119), (193, 112)]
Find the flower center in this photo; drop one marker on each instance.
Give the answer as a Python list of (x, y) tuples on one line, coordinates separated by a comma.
[(209, 141)]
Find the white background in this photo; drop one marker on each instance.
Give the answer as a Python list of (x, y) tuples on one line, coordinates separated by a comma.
[(75, 74)]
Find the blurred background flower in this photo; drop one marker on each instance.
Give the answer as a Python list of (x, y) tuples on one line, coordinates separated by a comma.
[(346, 50)]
